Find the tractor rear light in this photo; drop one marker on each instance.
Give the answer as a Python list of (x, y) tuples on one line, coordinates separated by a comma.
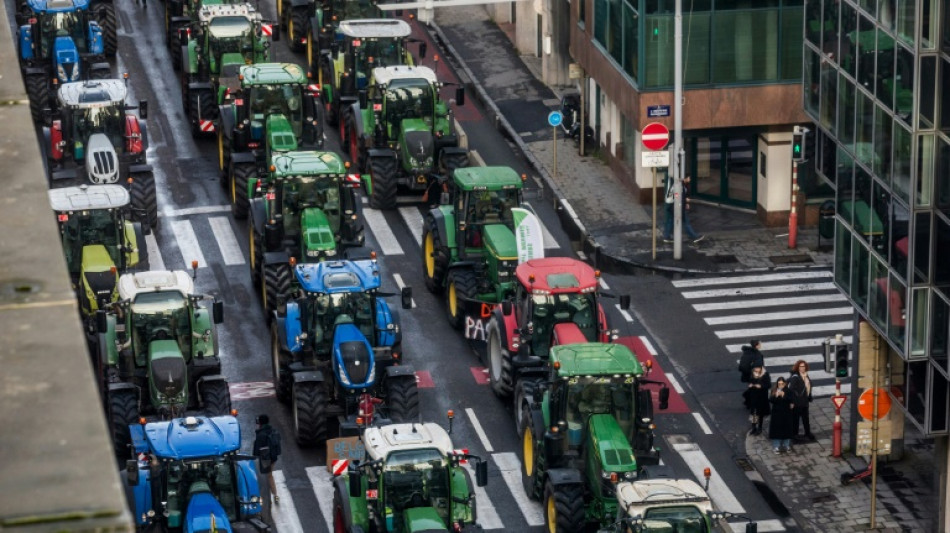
[(396, 355), (113, 269), (356, 42), (32, 20), (293, 262), (234, 412), (372, 255), (456, 527), (254, 145), (271, 196), (62, 217), (142, 420), (707, 472), (273, 168), (359, 421), (515, 341)]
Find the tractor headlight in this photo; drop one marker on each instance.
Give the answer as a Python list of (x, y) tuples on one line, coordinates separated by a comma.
[(75, 71), (61, 73), (313, 253), (330, 253), (344, 379)]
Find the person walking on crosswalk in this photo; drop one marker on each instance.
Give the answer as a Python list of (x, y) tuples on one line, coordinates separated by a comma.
[(799, 386)]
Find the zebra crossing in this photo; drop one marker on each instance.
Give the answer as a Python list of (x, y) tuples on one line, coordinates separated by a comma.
[(792, 313)]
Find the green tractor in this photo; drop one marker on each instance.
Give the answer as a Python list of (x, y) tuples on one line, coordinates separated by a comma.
[(158, 352), (308, 211), (179, 15), (412, 479), (224, 39), (469, 250), (585, 426), (273, 110), (405, 138), (324, 23), (99, 241)]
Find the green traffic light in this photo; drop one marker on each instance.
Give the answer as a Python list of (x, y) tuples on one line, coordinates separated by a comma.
[(656, 32)]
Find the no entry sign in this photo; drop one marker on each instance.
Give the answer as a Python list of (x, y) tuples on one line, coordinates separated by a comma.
[(655, 136)]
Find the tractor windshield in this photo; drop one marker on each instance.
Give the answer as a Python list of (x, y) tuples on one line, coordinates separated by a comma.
[(354, 9), (86, 228), (63, 24), (416, 478), (302, 192), (354, 307), (549, 310), (106, 119), (591, 395), (216, 475), (685, 519), (282, 99), (409, 99), (161, 315), (492, 207)]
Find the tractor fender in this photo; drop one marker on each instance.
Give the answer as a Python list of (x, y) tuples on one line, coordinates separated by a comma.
[(314, 376), (602, 325), (123, 385), (226, 116), (35, 70), (461, 264), (536, 421), (382, 152), (399, 371), (341, 485), (444, 220), (506, 325), (25, 41), (564, 476), (65, 174), (138, 439), (453, 150), (256, 210), (357, 117), (195, 85), (290, 329), (271, 258), (386, 315), (175, 22), (99, 67), (301, 3), (207, 378), (243, 157), (139, 168)]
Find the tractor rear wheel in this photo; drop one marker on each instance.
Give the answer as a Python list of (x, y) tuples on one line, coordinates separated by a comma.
[(402, 398), (144, 199), (523, 389), (38, 91), (297, 28), (461, 287), (357, 155), (224, 159), (309, 411), (105, 15), (216, 398), (529, 462), (99, 74), (123, 411), (174, 48), (450, 162), (382, 172), (255, 253), (283, 381), (564, 508), (435, 257), (276, 285), (499, 361), (201, 106), (241, 175)]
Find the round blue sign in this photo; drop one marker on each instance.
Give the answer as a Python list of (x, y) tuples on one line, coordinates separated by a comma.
[(555, 118)]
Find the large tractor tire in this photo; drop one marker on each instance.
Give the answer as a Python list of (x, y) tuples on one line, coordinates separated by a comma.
[(216, 397), (339, 516), (357, 153), (241, 174), (402, 398), (499, 361), (523, 389), (174, 49), (145, 199), (99, 74), (309, 412), (123, 411), (529, 459), (382, 172), (38, 91), (283, 380), (298, 27), (255, 254), (105, 15), (202, 105), (564, 508), (435, 257), (450, 162), (276, 285), (461, 287), (224, 160)]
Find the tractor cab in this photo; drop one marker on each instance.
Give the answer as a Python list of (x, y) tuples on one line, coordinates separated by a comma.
[(232, 33), (410, 112), (666, 504), (64, 31), (274, 90), (367, 44), (483, 199)]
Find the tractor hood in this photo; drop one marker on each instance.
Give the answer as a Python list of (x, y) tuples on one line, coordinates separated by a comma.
[(500, 241), (280, 134), (422, 519), (230, 58), (204, 512), (67, 59), (353, 359), (193, 437), (610, 444), (102, 164), (318, 240), (100, 278), (168, 373), (418, 144)]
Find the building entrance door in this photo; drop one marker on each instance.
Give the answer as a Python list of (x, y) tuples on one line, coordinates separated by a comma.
[(723, 168)]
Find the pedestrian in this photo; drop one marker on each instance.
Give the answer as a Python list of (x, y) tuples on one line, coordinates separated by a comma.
[(750, 358), (757, 397), (780, 422), (799, 385), (267, 450), (670, 210)]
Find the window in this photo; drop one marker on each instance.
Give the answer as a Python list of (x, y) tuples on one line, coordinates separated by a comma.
[(902, 162), (616, 30), (845, 55), (882, 143), (944, 117), (866, 51), (877, 305), (915, 388), (744, 46), (941, 273), (884, 79), (939, 400), (896, 312), (846, 106), (631, 41), (843, 262), (904, 84), (811, 81), (928, 25), (928, 80), (942, 184), (940, 324), (601, 16), (791, 45), (864, 129), (859, 273), (614, 37), (813, 25), (918, 330), (829, 95), (922, 232), (925, 170), (696, 49), (905, 20)]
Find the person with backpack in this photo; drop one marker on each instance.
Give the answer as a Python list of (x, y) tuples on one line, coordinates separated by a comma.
[(267, 450), (751, 358)]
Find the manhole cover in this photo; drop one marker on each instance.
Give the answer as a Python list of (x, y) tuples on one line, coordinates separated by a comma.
[(787, 259), (723, 259), (744, 464)]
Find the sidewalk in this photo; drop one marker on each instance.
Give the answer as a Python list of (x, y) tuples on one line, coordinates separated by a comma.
[(602, 213)]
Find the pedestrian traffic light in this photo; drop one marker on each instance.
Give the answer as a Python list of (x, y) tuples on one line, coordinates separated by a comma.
[(828, 352), (841, 361), (798, 144)]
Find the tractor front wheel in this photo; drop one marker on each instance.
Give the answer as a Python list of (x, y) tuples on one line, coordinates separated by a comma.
[(310, 419), (174, 48), (38, 92), (297, 28), (450, 162), (106, 18), (564, 508), (357, 154), (276, 285), (202, 106), (435, 257), (382, 172), (144, 199), (241, 175), (499, 361), (255, 253), (216, 398), (529, 463), (402, 398), (462, 287), (123, 411), (283, 381)]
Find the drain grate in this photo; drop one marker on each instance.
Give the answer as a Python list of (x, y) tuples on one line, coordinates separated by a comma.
[(824, 498), (744, 464), (723, 259), (787, 259)]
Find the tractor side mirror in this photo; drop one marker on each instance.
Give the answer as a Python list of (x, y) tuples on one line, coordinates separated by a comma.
[(644, 407), (364, 99), (422, 50), (217, 312), (664, 398), (132, 471), (506, 307), (275, 32), (625, 301), (460, 95), (102, 321), (356, 483), (406, 295), (143, 109), (481, 473)]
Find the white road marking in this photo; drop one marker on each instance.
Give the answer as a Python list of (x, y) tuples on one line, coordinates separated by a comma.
[(782, 315), (829, 390), (227, 242), (155, 261), (400, 283), (603, 284), (477, 157), (770, 302), (765, 526), (734, 280), (484, 508), (768, 289), (702, 423), (770, 345), (765, 333), (285, 513), (624, 312), (646, 342), (202, 210), (413, 219), (478, 429), (384, 234), (696, 460), (676, 384), (188, 243), (323, 490), (510, 468), (581, 255)]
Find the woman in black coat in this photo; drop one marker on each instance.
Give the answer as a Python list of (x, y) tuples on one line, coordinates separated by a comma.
[(781, 429), (757, 397)]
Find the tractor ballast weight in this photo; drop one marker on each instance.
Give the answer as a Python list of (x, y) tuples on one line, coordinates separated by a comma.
[(159, 351), (337, 351), (93, 138), (188, 475)]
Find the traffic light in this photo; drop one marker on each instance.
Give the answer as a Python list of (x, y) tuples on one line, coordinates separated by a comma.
[(828, 352), (841, 361), (798, 144)]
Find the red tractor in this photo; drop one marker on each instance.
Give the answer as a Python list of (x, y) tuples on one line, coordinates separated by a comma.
[(557, 301)]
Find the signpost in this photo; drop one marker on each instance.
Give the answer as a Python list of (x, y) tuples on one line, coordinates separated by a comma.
[(554, 119), (655, 137)]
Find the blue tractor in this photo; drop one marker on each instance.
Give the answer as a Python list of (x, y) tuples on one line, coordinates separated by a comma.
[(188, 475), (336, 351), (61, 41)]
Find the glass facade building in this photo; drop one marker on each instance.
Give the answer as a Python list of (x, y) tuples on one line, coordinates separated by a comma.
[(877, 86)]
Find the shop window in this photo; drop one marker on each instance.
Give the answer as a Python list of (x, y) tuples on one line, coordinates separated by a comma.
[(878, 302), (864, 129), (922, 232), (939, 400), (846, 112), (843, 261), (845, 56), (928, 80), (904, 84), (859, 273), (918, 330), (882, 143), (745, 46), (905, 20), (902, 162), (915, 390), (925, 170)]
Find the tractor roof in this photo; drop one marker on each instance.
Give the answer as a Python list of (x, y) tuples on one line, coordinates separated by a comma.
[(487, 178), (595, 359), (131, 285), (640, 495), (330, 277), (209, 12), (369, 28), (87, 197), (57, 6), (194, 436), (272, 73), (310, 163), (556, 275), (92, 93), (385, 75), (381, 441)]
